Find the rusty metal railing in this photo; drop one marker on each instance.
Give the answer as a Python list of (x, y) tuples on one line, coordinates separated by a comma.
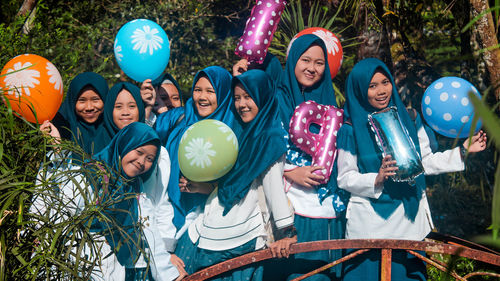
[(453, 246)]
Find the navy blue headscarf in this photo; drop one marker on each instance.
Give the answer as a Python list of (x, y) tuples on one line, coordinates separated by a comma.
[(125, 211), (356, 110), (91, 137), (172, 124), (261, 141), (110, 104)]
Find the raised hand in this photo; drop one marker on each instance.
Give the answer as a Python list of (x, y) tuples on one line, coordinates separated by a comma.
[(476, 143)]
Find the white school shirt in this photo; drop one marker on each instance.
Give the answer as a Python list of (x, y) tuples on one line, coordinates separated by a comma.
[(70, 194), (362, 220), (156, 213), (305, 200), (247, 219)]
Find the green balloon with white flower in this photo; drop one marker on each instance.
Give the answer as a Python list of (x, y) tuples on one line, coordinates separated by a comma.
[(207, 150)]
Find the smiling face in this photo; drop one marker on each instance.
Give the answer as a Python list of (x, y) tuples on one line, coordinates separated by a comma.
[(170, 95), (125, 110), (244, 104), (310, 66), (139, 160), (379, 91), (89, 105), (204, 97)]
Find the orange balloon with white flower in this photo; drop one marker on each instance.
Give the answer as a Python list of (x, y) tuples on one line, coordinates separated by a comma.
[(32, 86)]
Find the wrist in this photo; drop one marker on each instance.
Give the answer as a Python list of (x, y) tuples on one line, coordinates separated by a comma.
[(463, 151), (287, 232)]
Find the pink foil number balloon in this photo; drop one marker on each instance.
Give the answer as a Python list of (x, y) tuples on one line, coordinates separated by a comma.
[(259, 30), (323, 146)]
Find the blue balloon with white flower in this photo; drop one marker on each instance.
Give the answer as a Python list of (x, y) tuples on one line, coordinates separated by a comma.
[(142, 49), (447, 109)]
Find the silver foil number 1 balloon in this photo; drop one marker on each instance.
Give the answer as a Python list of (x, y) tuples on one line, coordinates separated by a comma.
[(393, 139)]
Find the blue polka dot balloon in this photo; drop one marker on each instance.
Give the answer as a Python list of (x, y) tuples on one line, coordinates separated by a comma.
[(447, 109), (142, 49)]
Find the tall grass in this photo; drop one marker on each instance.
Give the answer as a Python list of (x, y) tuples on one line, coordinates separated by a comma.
[(54, 240)]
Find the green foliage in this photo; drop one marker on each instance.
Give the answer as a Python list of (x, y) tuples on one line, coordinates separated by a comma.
[(492, 123), (78, 36), (52, 239)]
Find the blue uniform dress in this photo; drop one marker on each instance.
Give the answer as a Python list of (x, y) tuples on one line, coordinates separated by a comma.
[(318, 211), (397, 210)]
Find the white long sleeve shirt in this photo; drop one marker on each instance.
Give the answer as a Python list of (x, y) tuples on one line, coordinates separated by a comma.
[(247, 219), (362, 220)]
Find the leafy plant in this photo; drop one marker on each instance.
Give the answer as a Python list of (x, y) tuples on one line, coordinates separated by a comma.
[(51, 240)]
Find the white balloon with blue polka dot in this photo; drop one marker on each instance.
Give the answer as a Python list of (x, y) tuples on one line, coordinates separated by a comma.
[(447, 109)]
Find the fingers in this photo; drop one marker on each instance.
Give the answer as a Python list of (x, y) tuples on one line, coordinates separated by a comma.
[(182, 273), (275, 251), (315, 168), (315, 176), (240, 67)]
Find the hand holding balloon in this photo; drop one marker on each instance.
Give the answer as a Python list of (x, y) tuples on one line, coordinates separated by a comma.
[(240, 67), (387, 169), (148, 93), (188, 186), (49, 129), (476, 143), (321, 146), (305, 176)]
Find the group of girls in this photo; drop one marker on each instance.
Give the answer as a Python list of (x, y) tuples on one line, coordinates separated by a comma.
[(271, 197)]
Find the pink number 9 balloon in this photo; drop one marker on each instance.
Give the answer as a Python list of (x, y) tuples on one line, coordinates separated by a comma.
[(259, 30), (323, 146)]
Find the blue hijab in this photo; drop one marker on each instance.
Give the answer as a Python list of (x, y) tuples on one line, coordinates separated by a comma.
[(91, 137), (125, 210), (166, 76), (356, 110), (172, 124), (109, 105), (261, 141), (291, 93), (273, 68)]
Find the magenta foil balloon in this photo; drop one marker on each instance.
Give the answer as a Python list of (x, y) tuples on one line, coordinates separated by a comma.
[(322, 146), (259, 30)]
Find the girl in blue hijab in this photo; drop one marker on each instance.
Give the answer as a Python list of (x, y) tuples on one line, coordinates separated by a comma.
[(171, 97), (81, 113), (159, 96), (236, 213), (123, 106), (131, 153), (316, 218), (380, 208), (210, 100), (129, 158)]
